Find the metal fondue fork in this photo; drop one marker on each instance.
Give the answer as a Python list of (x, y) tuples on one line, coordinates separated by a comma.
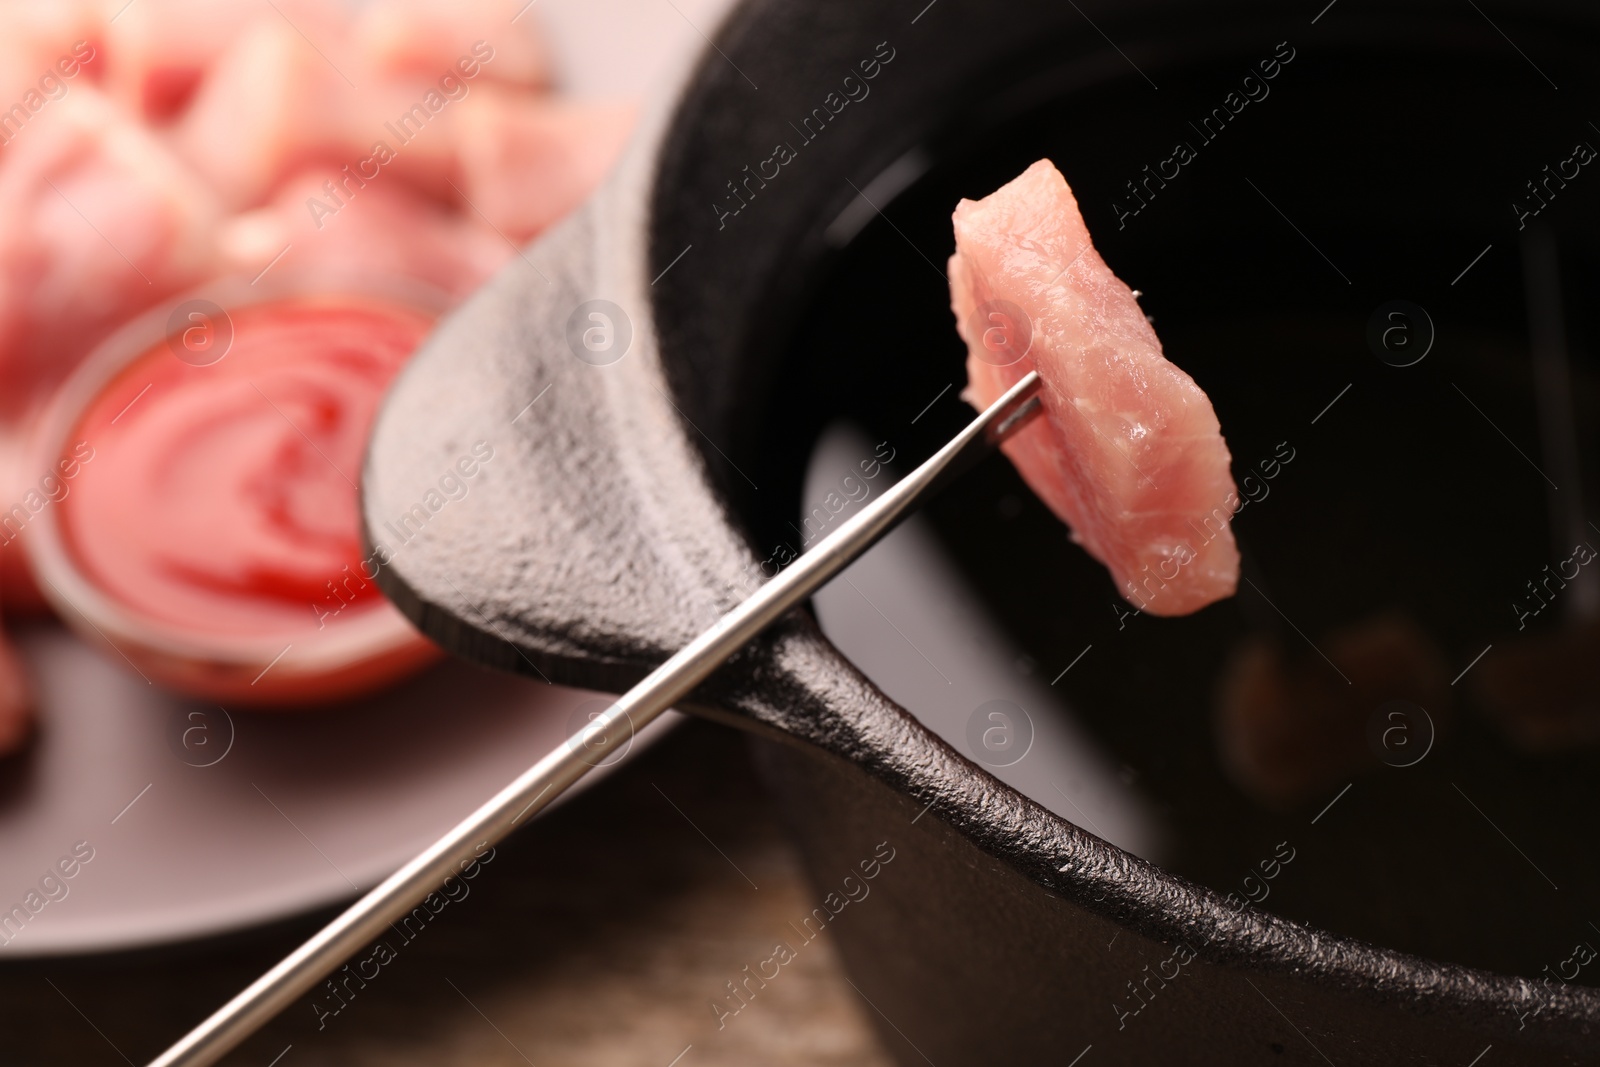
[(396, 895)]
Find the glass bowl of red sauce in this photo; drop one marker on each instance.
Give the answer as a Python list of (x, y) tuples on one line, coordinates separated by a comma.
[(206, 528)]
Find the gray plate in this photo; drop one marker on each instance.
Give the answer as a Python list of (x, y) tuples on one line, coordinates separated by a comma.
[(203, 821)]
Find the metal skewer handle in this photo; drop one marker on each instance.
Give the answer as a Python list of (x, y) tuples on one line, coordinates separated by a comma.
[(366, 919)]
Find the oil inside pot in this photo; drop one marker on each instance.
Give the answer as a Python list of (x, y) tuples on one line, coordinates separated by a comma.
[(1396, 557)]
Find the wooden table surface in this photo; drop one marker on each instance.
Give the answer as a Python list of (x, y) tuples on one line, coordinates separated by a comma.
[(600, 934)]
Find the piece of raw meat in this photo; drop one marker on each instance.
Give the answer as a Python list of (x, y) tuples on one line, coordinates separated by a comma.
[(159, 51), (38, 57), (97, 222), (1129, 453), (390, 230), (270, 104), (19, 593), (425, 38), (525, 163), (16, 701)]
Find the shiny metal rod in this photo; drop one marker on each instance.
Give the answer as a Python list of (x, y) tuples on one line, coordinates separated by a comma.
[(367, 918)]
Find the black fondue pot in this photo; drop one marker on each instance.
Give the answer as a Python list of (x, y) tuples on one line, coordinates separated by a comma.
[(653, 374)]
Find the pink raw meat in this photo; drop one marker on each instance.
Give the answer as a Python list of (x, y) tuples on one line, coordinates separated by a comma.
[(36, 52), (16, 701), (159, 51), (97, 222), (388, 230), (1129, 453), (267, 105), (525, 162), (425, 38)]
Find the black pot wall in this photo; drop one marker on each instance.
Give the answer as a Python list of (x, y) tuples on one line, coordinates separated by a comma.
[(965, 961)]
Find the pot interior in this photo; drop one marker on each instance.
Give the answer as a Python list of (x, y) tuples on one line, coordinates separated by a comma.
[(1371, 168)]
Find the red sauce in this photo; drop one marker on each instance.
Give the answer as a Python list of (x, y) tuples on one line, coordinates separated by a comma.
[(222, 499)]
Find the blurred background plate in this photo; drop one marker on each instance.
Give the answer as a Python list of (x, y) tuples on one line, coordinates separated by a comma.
[(203, 820)]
